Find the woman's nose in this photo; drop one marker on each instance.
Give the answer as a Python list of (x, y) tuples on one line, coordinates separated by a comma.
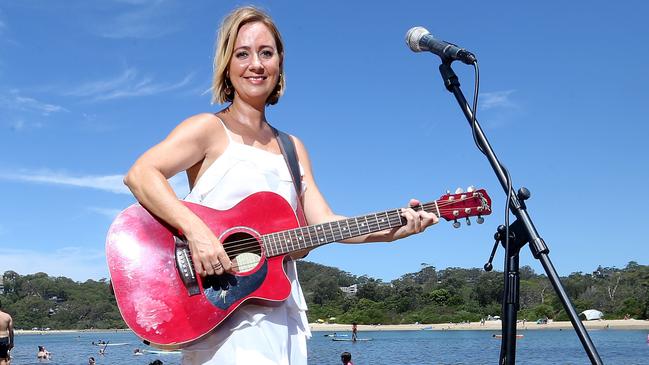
[(255, 63)]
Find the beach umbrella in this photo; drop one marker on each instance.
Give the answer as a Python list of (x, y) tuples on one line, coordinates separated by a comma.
[(592, 314)]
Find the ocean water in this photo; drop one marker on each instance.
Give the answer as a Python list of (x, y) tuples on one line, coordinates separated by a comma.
[(386, 347)]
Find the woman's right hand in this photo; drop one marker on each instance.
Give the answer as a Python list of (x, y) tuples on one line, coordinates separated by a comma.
[(208, 253)]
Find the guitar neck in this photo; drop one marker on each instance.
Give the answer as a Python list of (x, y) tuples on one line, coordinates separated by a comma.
[(285, 242)]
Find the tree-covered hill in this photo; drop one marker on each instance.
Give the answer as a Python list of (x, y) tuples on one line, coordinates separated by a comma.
[(426, 296)]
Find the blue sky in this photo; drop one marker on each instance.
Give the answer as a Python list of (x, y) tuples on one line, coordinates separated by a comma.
[(86, 87)]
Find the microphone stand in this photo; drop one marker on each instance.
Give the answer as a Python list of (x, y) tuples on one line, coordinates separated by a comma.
[(522, 231)]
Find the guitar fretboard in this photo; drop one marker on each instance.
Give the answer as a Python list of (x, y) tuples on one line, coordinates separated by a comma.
[(281, 243)]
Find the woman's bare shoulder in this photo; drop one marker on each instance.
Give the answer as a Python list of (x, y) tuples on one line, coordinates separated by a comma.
[(201, 126)]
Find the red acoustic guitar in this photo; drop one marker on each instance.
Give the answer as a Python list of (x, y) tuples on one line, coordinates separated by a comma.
[(165, 303)]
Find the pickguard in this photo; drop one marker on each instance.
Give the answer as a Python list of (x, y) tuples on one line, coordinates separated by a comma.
[(225, 290)]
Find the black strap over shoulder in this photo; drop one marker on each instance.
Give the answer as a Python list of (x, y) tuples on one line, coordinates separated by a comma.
[(290, 155)]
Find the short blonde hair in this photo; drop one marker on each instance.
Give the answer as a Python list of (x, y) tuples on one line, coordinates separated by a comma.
[(225, 47)]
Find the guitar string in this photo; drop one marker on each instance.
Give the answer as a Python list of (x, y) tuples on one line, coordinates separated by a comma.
[(371, 226), (252, 244), (245, 243)]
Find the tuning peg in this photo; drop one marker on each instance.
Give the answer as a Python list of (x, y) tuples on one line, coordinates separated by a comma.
[(459, 191), (456, 224), (468, 221), (470, 189), (480, 220)]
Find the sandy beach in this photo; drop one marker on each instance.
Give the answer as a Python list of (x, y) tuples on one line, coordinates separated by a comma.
[(617, 324)]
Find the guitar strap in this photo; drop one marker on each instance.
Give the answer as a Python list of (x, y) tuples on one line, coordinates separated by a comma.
[(287, 147)]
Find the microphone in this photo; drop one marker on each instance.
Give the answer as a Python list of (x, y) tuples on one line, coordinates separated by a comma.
[(419, 39)]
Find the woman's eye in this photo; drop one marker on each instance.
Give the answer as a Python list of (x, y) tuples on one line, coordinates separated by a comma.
[(267, 53), (242, 54)]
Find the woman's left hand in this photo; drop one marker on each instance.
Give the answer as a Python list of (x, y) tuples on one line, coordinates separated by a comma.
[(417, 221)]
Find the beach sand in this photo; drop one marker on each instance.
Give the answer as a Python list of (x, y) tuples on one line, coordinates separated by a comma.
[(618, 324)]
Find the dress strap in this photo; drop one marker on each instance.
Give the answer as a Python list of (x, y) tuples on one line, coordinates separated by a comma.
[(227, 131)]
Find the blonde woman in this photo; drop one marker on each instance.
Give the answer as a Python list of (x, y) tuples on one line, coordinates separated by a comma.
[(229, 155)]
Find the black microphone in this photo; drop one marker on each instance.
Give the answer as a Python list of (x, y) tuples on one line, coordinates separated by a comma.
[(419, 39)]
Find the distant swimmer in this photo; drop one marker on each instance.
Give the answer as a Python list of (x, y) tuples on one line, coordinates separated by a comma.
[(6, 337), (138, 352), (91, 360), (43, 354)]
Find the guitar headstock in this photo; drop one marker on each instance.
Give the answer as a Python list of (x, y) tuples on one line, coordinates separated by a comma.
[(464, 205)]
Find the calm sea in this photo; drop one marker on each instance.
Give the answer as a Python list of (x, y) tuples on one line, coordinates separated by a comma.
[(387, 347)]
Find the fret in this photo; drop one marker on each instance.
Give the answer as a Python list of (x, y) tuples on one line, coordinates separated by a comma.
[(362, 226), (302, 237), (285, 241), (313, 235), (320, 234), (310, 242), (367, 225), (343, 226), (271, 250), (385, 220), (331, 237), (340, 232), (400, 218), (294, 241), (358, 229), (272, 246), (376, 226), (264, 245), (291, 239)]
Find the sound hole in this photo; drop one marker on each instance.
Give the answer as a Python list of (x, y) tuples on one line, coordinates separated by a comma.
[(244, 251)]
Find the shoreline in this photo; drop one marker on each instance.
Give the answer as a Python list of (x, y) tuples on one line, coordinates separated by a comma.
[(614, 324)]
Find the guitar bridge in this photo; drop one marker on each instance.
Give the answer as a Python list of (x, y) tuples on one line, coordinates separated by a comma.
[(185, 267)]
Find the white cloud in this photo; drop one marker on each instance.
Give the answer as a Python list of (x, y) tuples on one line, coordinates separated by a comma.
[(107, 212), (108, 183), (75, 262), (496, 99), (15, 101), (127, 84), (142, 20)]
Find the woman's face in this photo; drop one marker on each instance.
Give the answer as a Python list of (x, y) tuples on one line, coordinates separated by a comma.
[(255, 64)]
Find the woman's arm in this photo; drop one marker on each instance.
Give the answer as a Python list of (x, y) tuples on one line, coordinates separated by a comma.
[(317, 209), (189, 143)]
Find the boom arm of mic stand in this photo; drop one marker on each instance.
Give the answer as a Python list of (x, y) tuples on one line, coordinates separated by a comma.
[(537, 245)]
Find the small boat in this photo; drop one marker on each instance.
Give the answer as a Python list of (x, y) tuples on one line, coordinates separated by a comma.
[(501, 336), (350, 340), (427, 328), (335, 335), (163, 352), (110, 344)]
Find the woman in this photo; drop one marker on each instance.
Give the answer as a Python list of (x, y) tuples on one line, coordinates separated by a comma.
[(228, 156)]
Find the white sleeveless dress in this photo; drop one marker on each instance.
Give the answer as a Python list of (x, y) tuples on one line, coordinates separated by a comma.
[(253, 334)]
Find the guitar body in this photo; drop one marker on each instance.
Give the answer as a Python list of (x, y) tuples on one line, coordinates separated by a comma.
[(155, 301)]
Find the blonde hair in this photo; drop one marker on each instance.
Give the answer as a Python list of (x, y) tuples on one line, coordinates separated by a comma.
[(225, 47)]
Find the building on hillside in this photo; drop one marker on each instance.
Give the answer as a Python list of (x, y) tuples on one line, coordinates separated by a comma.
[(350, 291), (2, 286)]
